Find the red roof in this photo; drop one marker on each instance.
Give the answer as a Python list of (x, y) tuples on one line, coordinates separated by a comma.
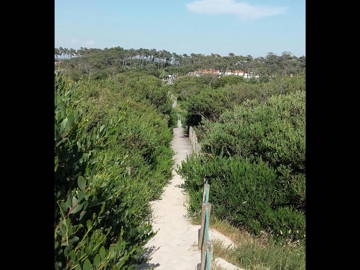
[(208, 70)]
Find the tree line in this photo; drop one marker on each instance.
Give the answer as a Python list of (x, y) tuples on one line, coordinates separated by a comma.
[(100, 63)]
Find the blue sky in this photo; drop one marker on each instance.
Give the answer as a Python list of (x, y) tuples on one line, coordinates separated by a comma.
[(253, 27)]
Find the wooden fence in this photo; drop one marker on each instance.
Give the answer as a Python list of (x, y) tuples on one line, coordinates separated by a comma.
[(204, 243), (174, 100), (196, 147)]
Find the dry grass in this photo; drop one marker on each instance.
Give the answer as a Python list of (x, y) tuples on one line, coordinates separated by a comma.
[(237, 235), (221, 251), (255, 253)]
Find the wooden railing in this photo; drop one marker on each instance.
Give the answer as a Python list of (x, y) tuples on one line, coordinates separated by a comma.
[(204, 243), (194, 141)]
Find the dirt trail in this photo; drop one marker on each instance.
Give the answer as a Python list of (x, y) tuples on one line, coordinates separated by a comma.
[(175, 244)]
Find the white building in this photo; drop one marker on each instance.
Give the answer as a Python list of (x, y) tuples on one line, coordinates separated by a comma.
[(237, 72)]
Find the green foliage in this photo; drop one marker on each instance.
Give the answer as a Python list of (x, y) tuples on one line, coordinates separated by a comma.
[(143, 87), (254, 158), (276, 257), (273, 131), (173, 119), (244, 193), (204, 102), (187, 86), (224, 80), (101, 63), (209, 103), (112, 157)]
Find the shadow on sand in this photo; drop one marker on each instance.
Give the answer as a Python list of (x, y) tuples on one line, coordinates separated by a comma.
[(147, 256)]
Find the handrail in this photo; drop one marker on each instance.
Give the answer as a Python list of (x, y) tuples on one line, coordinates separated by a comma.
[(196, 147), (204, 243)]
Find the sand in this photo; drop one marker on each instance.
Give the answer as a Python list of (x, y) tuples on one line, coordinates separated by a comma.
[(175, 244)]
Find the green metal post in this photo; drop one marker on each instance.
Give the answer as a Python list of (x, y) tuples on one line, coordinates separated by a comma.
[(209, 253)]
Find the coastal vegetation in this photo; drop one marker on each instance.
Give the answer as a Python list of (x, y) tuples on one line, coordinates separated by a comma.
[(113, 127)]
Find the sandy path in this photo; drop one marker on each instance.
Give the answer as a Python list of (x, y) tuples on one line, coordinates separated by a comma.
[(175, 244)]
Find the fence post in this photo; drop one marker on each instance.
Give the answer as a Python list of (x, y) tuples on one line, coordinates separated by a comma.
[(206, 252), (204, 243), (209, 255), (203, 257), (205, 220), (195, 146), (201, 233), (206, 193)]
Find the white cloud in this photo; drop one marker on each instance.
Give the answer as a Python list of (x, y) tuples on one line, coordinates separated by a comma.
[(242, 9)]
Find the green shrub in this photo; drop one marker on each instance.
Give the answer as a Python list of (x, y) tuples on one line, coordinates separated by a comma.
[(187, 86), (273, 131), (232, 79), (275, 257), (254, 158), (145, 88), (208, 101), (244, 193), (208, 104), (112, 157)]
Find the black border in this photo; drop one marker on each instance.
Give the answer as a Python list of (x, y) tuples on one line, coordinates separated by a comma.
[(329, 137), (30, 203), (29, 130)]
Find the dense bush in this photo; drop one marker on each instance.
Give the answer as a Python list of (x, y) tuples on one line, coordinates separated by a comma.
[(208, 102), (143, 87), (273, 131), (254, 158), (228, 80), (245, 193), (187, 86), (112, 156)]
